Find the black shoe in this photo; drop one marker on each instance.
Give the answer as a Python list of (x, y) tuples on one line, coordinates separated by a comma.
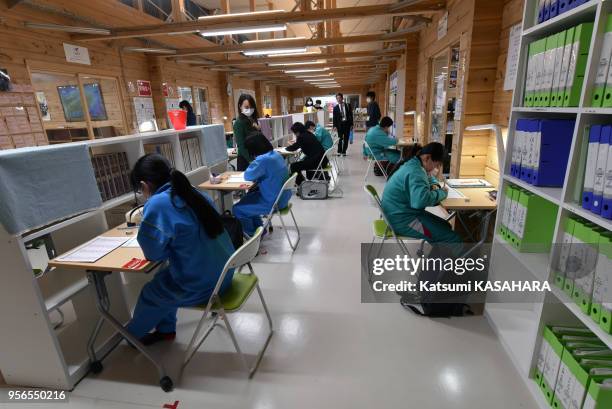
[(154, 337)]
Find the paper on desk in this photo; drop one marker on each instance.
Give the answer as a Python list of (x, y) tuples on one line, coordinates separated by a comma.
[(454, 194), (93, 250), (133, 242), (468, 183), (236, 178)]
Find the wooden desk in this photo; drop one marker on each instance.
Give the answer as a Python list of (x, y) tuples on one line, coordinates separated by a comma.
[(226, 186), (96, 272), (476, 198), (113, 261), (285, 153), (404, 142)]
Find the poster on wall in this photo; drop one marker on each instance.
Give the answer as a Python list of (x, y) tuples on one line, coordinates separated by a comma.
[(145, 114), (144, 88), (514, 44), (76, 54), (443, 26), (172, 103), (43, 105)]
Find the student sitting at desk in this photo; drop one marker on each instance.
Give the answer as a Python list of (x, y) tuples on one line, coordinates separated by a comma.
[(311, 148), (411, 189), (380, 143), (322, 134), (269, 171), (180, 225)]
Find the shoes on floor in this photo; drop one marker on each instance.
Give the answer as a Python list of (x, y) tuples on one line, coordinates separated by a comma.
[(157, 336)]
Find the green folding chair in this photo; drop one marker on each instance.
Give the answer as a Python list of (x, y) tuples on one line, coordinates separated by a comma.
[(288, 210), (219, 305)]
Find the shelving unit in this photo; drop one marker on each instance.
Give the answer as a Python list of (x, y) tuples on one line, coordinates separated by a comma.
[(519, 331), (60, 354)]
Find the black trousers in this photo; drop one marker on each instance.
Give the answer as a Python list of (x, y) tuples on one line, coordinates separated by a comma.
[(343, 134), (308, 165)]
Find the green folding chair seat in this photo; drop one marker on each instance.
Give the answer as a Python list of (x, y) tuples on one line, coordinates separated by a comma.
[(233, 299)]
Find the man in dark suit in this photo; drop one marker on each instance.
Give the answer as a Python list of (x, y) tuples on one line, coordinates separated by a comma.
[(343, 123)]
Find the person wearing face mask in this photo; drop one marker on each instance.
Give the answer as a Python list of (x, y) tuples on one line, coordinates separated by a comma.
[(309, 105), (180, 225), (322, 134), (312, 152), (245, 124), (373, 110), (381, 144), (411, 189)]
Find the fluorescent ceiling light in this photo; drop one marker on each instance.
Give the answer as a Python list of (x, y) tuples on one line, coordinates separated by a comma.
[(246, 30), (232, 15), (275, 40), (149, 50), (306, 53), (318, 79), (281, 64), (314, 76), (306, 70), (290, 51), (68, 29)]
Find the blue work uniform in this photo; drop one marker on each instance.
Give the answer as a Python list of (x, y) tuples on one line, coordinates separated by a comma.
[(170, 231), (324, 137), (381, 145), (407, 193), (269, 171)]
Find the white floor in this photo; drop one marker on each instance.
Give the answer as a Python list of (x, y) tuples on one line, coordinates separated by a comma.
[(329, 350)]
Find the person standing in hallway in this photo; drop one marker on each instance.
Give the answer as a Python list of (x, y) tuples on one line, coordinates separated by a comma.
[(245, 125), (373, 110), (342, 122)]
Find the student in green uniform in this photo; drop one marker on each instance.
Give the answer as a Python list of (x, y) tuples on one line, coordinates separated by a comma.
[(411, 189), (245, 124), (322, 134), (381, 144)]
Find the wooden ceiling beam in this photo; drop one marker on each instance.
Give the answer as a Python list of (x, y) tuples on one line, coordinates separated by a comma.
[(230, 21), (289, 43), (297, 58)]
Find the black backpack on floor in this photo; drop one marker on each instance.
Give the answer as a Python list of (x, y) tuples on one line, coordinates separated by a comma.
[(234, 228)]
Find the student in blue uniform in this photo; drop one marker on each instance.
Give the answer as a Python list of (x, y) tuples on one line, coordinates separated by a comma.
[(322, 134), (381, 144), (411, 189), (269, 171), (179, 225)]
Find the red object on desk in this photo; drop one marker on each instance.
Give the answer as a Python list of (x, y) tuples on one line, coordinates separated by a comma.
[(136, 264)]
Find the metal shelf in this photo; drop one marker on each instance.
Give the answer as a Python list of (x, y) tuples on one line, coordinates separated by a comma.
[(580, 14), (552, 194)]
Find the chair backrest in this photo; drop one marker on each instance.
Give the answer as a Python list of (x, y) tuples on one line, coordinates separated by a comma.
[(372, 195), (371, 191), (384, 172), (289, 183)]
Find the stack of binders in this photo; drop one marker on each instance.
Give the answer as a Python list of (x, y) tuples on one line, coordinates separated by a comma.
[(548, 9), (528, 221), (192, 155), (541, 150), (556, 66), (574, 369), (112, 172), (597, 188), (161, 148), (583, 269), (602, 91)]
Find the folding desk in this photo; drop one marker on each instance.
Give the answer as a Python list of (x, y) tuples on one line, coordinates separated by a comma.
[(115, 261), (226, 187)]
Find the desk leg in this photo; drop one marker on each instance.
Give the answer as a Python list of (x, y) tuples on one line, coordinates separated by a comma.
[(103, 305)]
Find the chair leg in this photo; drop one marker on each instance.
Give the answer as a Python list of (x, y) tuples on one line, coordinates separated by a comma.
[(230, 331), (194, 344), (369, 270), (365, 179), (291, 244)]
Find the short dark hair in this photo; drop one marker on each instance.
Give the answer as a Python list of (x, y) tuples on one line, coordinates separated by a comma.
[(185, 104), (318, 101), (371, 94), (435, 149), (386, 122), (298, 128), (257, 144), (339, 94), (309, 124)]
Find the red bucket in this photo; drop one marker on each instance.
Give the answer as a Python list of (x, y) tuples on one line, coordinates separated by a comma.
[(178, 117)]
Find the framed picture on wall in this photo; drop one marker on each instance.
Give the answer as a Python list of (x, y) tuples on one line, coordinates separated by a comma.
[(43, 105), (70, 97)]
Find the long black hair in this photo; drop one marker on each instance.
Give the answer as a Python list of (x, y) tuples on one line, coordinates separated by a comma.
[(257, 144), (185, 104), (156, 170), (253, 105)]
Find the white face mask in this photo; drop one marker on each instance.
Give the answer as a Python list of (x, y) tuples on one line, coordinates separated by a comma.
[(369, 100), (248, 111), (309, 103)]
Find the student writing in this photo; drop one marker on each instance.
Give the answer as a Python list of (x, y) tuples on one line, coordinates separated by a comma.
[(380, 143), (179, 225), (311, 148), (322, 134), (269, 171)]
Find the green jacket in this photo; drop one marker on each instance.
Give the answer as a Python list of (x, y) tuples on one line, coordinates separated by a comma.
[(381, 145), (324, 137), (242, 127), (407, 193)]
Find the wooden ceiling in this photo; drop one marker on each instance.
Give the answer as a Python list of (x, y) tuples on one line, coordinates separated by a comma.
[(128, 27)]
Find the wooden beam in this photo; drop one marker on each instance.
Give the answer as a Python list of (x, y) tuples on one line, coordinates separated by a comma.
[(290, 43), (229, 21), (298, 58)]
